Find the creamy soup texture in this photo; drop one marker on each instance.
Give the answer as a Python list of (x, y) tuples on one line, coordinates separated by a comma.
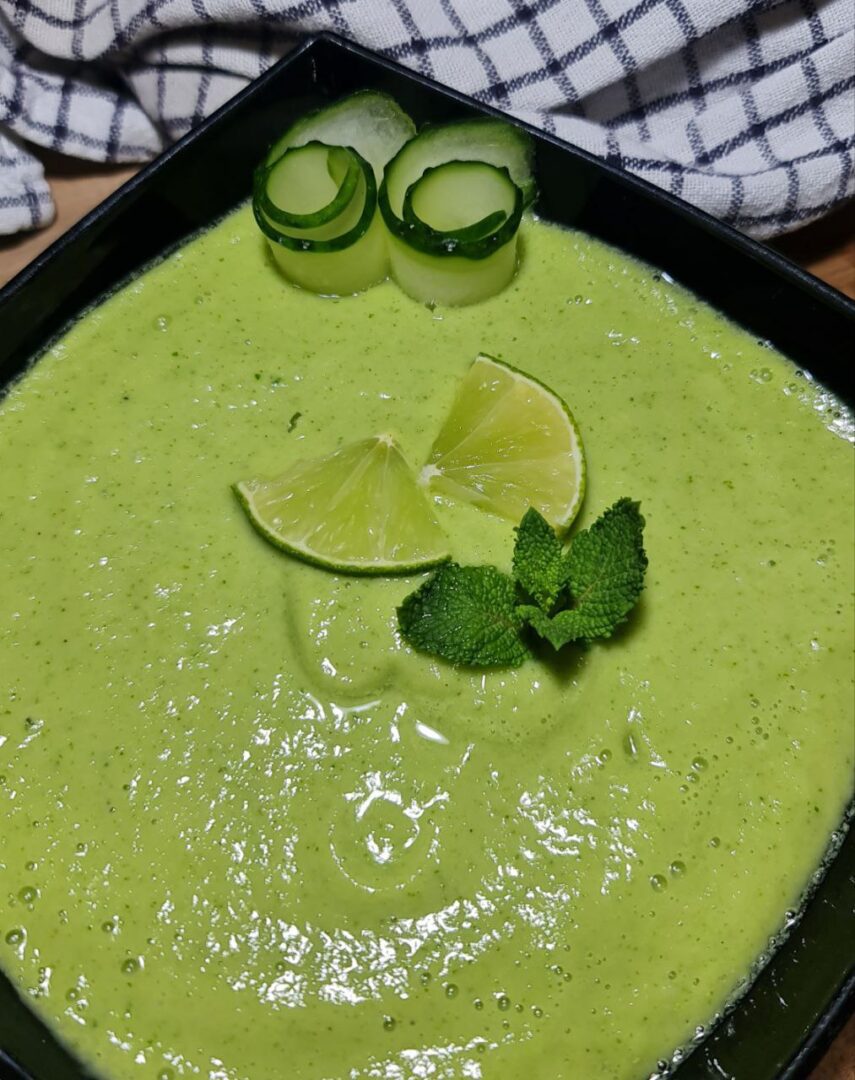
[(246, 835)]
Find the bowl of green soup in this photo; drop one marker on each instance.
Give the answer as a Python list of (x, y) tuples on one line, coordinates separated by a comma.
[(248, 832)]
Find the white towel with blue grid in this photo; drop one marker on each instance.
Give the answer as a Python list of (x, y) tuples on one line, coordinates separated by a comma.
[(743, 107)]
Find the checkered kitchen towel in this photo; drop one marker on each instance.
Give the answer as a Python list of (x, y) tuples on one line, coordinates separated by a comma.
[(745, 107)]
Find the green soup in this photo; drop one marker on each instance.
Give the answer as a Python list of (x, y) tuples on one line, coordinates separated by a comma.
[(246, 834)]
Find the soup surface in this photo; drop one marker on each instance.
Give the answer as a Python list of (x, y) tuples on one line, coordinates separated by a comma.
[(246, 834)]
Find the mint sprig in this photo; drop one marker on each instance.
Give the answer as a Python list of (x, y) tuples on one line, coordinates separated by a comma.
[(477, 615)]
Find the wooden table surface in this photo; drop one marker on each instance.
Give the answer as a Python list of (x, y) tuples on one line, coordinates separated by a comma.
[(826, 248)]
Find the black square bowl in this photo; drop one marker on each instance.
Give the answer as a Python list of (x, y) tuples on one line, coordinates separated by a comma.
[(803, 995)]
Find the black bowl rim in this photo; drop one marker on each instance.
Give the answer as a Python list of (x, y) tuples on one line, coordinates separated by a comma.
[(841, 1003)]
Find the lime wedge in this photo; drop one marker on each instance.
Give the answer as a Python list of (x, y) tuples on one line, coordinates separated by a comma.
[(358, 510), (509, 443)]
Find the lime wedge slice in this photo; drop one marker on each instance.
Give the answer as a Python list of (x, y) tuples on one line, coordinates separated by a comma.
[(358, 510), (509, 443)]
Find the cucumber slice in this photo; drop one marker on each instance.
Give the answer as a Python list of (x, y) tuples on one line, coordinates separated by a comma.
[(315, 195), (452, 200), (342, 248), (372, 123)]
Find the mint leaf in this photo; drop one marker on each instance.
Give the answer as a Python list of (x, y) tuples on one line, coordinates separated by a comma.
[(605, 569), (465, 614), (557, 630), (539, 563)]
